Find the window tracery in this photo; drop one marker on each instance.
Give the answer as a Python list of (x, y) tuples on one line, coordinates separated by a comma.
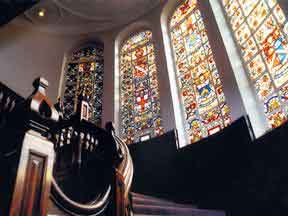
[(85, 73), (260, 30), (139, 90), (204, 106)]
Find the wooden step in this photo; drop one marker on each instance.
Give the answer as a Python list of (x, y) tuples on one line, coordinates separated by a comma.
[(168, 210), (148, 205), (143, 199)]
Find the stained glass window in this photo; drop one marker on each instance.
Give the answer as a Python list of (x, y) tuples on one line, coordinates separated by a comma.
[(260, 29), (85, 72), (140, 106), (203, 101)]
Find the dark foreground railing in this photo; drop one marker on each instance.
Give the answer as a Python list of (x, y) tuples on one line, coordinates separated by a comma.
[(27, 156), (88, 169)]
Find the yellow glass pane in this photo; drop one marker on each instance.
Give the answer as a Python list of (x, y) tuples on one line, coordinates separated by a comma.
[(256, 67), (258, 15)]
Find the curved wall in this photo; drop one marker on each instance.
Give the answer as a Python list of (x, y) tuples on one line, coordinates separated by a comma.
[(26, 53)]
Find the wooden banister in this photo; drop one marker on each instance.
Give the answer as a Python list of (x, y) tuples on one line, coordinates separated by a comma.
[(34, 174), (30, 159), (32, 142)]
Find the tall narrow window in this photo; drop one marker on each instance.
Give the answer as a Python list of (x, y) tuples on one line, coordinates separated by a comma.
[(140, 107), (260, 30), (204, 107), (85, 73)]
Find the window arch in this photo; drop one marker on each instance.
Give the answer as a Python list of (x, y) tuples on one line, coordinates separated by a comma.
[(85, 70), (139, 91), (203, 102), (260, 31)]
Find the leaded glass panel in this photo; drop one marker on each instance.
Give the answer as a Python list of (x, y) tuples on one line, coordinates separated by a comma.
[(85, 71), (140, 106), (261, 36), (203, 101)]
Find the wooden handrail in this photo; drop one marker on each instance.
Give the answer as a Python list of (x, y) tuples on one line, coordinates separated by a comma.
[(82, 135), (35, 118), (30, 156)]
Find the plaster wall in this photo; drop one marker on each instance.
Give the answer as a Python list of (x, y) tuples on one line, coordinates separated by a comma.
[(26, 54)]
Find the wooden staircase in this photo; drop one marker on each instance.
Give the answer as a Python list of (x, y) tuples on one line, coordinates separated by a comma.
[(35, 120), (144, 205)]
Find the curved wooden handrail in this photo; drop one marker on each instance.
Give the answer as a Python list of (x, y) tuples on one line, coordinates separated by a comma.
[(126, 169), (45, 111), (99, 204), (95, 207), (58, 196)]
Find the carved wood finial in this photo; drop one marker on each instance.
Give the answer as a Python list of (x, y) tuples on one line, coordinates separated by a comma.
[(40, 84), (40, 103)]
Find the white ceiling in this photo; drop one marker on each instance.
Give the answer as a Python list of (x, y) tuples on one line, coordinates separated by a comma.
[(85, 16)]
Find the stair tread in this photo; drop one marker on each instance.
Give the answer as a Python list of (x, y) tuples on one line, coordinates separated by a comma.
[(140, 199), (148, 197), (159, 203), (147, 215), (146, 205), (171, 207), (168, 210)]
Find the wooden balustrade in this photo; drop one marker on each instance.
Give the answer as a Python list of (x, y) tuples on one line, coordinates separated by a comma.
[(33, 143), (90, 144), (29, 156), (8, 101), (34, 175)]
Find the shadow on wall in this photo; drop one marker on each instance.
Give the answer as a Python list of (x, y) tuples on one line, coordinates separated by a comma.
[(11, 9), (10, 37)]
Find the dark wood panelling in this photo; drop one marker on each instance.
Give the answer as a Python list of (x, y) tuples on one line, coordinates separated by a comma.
[(34, 181), (34, 175)]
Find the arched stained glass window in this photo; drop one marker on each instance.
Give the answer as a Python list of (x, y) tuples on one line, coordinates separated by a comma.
[(85, 72), (260, 30), (140, 106), (203, 101)]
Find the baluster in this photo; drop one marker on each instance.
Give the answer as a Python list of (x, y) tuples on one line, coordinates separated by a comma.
[(1, 96), (66, 136), (96, 143), (12, 106), (83, 140), (69, 135), (1, 101), (75, 140), (75, 133), (57, 142), (6, 106), (91, 144), (57, 148), (87, 143), (62, 138), (80, 145)]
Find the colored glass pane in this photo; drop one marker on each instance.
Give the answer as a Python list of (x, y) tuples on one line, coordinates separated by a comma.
[(140, 106), (262, 39), (85, 71), (204, 107)]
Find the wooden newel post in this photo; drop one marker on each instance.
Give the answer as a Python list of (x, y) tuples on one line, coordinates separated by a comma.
[(33, 180), (36, 156)]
